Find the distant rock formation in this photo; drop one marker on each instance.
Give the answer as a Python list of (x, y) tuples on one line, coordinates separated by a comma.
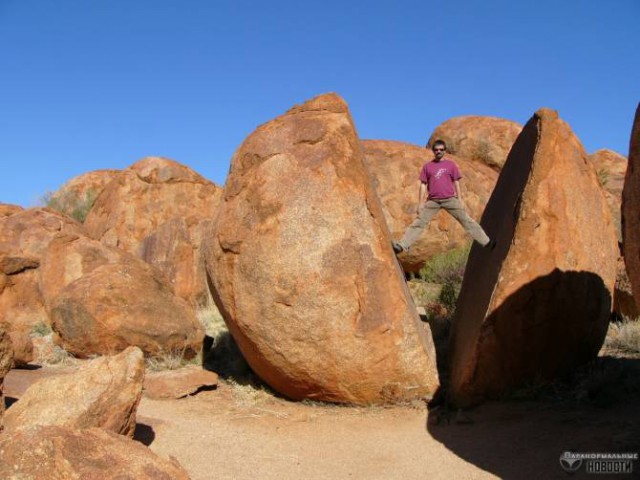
[(394, 169), (539, 304), (24, 238), (484, 139), (301, 263), (157, 209)]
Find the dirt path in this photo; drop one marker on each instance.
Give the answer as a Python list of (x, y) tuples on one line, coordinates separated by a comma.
[(239, 433)]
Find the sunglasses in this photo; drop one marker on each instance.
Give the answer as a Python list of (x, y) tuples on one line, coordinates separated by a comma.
[(438, 149)]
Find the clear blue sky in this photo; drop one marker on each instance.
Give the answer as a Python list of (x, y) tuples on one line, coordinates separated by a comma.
[(91, 84)]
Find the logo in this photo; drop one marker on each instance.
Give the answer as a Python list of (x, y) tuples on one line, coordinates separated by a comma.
[(599, 462), (570, 462)]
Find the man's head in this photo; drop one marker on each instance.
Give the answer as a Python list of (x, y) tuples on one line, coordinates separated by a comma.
[(439, 148)]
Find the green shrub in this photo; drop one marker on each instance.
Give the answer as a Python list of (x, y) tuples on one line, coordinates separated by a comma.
[(447, 269), (70, 204)]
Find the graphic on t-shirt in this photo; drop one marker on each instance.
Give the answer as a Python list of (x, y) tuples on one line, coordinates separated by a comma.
[(440, 172)]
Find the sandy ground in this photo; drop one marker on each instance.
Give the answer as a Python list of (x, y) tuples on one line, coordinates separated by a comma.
[(239, 433)]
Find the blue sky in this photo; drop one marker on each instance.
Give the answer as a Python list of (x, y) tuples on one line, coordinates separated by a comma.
[(91, 84)]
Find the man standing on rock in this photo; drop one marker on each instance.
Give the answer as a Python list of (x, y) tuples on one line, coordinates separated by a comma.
[(441, 178)]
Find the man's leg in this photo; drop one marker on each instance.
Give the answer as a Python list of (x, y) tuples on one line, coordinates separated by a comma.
[(454, 207), (415, 229)]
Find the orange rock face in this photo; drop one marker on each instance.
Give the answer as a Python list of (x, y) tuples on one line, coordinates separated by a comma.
[(104, 393), (63, 453), (24, 237), (7, 209), (154, 209), (303, 271), (539, 304), (484, 139), (611, 168), (6, 361), (102, 300), (394, 169), (76, 197), (631, 210)]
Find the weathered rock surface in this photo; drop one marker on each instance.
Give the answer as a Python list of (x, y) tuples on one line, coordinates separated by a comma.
[(303, 270), (154, 209), (102, 300), (6, 361), (484, 139), (539, 304), (394, 169), (631, 210), (76, 197), (611, 168), (178, 383), (24, 237), (7, 209), (103, 393), (22, 347), (63, 453)]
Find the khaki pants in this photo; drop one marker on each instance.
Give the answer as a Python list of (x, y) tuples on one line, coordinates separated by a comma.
[(454, 207)]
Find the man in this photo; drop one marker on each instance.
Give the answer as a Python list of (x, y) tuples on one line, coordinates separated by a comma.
[(441, 178)]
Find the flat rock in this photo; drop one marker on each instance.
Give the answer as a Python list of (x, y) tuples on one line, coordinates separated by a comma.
[(178, 383), (484, 139), (302, 268), (538, 305), (631, 210), (394, 169), (62, 453), (104, 393)]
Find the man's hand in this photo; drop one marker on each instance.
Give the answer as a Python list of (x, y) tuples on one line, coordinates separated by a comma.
[(419, 208)]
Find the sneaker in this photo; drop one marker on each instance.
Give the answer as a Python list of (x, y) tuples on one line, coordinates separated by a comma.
[(397, 247), (491, 245)]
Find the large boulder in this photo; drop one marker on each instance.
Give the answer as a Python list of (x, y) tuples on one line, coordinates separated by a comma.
[(24, 238), (538, 304), (103, 393), (484, 139), (102, 300), (394, 168), (155, 209), (303, 271), (6, 361), (76, 197), (631, 210), (62, 453)]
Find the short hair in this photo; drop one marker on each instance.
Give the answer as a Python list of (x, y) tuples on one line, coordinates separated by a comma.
[(439, 142)]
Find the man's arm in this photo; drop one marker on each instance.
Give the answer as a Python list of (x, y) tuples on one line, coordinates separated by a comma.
[(421, 196), (456, 184)]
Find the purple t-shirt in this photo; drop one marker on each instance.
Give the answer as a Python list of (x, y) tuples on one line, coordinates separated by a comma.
[(439, 177)]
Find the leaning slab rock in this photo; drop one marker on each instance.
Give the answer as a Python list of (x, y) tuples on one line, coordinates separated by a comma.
[(631, 210), (302, 268), (539, 304), (104, 393)]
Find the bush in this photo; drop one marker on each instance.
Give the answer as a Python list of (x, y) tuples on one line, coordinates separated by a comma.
[(70, 203), (447, 269)]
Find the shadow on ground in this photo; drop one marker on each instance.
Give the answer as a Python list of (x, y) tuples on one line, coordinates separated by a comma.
[(524, 435)]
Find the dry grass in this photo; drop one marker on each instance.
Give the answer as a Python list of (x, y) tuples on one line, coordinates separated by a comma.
[(172, 360), (624, 336)]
